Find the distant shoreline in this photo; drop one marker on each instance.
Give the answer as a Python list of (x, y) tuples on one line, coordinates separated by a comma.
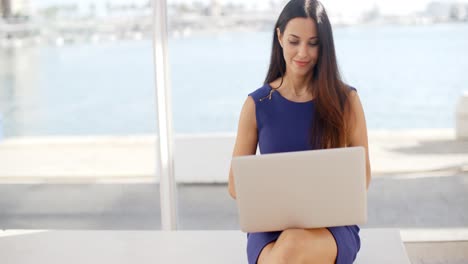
[(93, 32)]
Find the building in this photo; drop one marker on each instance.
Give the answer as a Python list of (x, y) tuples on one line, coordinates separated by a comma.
[(459, 12), (215, 8), (14, 8), (3, 8)]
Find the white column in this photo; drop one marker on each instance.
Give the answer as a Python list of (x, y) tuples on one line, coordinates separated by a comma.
[(1, 126), (462, 117), (165, 144)]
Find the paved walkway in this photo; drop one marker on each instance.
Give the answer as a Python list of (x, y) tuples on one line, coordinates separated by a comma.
[(96, 159), (398, 201), (417, 151)]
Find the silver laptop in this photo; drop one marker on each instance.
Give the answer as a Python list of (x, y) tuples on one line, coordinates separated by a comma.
[(304, 189)]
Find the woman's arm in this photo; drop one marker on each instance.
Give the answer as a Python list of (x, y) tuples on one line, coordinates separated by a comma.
[(357, 133), (246, 140)]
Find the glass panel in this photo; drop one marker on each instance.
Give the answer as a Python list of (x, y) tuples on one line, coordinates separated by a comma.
[(403, 60), (214, 66), (77, 101)]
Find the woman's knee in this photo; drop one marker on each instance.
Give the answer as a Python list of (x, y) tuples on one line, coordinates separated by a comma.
[(290, 246), (304, 246), (264, 255)]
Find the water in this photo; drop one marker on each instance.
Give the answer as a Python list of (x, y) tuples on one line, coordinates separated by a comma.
[(407, 77)]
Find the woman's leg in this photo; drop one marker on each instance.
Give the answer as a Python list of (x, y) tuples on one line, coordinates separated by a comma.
[(301, 246), (265, 253)]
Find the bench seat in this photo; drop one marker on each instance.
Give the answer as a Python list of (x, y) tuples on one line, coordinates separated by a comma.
[(383, 246)]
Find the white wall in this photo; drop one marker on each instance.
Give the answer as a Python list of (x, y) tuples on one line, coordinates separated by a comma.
[(203, 158)]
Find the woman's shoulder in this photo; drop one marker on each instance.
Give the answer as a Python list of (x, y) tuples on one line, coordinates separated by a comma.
[(350, 88), (261, 92)]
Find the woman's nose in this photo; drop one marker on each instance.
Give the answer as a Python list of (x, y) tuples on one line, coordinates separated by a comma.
[(303, 51)]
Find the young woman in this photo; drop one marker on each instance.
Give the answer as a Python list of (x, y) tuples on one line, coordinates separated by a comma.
[(303, 105)]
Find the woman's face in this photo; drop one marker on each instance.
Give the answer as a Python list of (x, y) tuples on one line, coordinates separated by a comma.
[(300, 45)]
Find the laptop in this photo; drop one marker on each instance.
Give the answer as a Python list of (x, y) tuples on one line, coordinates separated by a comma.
[(303, 189)]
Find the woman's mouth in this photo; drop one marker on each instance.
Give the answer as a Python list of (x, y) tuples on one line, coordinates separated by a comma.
[(301, 63)]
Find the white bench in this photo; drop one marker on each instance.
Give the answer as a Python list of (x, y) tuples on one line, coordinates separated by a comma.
[(383, 246)]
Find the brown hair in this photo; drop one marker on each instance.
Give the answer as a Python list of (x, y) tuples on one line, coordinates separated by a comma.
[(328, 128)]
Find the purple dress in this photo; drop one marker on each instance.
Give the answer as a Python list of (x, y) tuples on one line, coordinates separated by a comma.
[(284, 126)]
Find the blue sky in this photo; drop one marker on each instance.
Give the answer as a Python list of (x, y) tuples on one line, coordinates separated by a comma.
[(340, 6)]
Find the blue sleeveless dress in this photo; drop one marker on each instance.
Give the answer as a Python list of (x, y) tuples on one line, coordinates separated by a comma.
[(284, 126)]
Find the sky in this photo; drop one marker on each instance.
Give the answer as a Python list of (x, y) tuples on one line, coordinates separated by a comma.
[(397, 7)]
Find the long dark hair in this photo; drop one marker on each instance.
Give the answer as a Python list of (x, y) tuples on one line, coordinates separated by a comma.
[(328, 129)]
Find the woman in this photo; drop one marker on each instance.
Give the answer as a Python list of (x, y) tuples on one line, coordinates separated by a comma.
[(303, 105)]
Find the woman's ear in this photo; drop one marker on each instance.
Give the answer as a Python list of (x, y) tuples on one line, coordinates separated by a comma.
[(278, 34)]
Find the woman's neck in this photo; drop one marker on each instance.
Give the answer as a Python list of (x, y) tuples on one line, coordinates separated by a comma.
[(297, 85)]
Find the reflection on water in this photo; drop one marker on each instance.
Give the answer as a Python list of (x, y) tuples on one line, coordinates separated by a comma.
[(78, 90), (19, 96), (407, 77)]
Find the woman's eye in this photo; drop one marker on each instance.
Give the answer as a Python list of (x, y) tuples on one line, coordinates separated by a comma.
[(294, 43)]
